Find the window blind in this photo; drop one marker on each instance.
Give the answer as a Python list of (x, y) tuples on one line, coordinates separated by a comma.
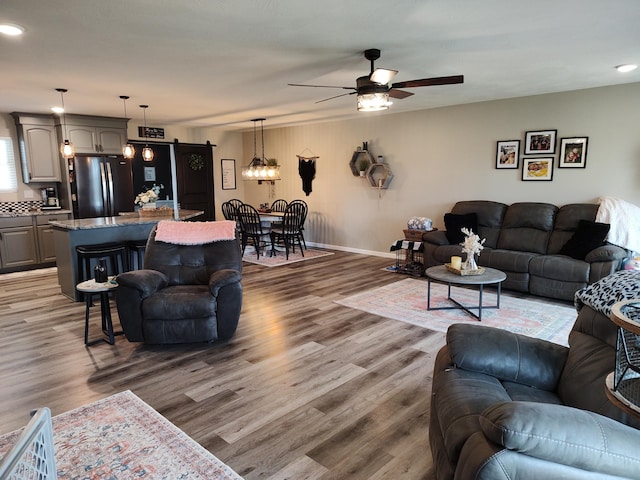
[(8, 181)]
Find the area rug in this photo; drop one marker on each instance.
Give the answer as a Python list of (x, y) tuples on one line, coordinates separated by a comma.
[(406, 300), (280, 257), (121, 437)]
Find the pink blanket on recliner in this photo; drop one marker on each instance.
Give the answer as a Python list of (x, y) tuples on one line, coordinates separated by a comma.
[(195, 233)]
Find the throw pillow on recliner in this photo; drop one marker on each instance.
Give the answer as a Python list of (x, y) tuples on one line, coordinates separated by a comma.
[(454, 222), (588, 236)]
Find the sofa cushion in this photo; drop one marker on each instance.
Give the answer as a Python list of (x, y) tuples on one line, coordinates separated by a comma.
[(588, 236), (567, 221), (490, 216), (454, 223), (527, 227), (558, 267)]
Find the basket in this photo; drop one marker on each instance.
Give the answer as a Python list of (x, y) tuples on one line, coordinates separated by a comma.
[(414, 235), (155, 212)]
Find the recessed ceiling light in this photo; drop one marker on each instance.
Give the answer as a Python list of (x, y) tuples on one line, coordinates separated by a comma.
[(626, 68), (12, 30), (57, 109)]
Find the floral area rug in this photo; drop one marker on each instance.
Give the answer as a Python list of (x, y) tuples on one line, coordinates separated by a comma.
[(406, 300), (280, 258), (121, 437)]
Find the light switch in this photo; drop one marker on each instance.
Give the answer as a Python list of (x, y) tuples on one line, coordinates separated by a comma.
[(28, 193)]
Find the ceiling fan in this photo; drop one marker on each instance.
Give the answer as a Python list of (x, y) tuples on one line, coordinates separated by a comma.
[(373, 90)]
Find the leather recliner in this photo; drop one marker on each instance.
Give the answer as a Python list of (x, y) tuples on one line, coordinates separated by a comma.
[(508, 406), (184, 294)]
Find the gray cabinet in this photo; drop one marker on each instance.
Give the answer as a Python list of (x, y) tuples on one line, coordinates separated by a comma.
[(17, 243), (38, 146), (102, 135), (46, 246)]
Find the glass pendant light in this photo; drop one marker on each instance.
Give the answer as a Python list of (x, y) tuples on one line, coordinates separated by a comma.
[(127, 149), (260, 168), (66, 147), (147, 153)]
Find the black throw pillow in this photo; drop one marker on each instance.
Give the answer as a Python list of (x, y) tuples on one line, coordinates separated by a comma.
[(453, 223), (588, 235)]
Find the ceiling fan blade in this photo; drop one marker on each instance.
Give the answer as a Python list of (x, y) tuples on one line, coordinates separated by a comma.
[(382, 75), (331, 98), (427, 82), (399, 94), (319, 86)]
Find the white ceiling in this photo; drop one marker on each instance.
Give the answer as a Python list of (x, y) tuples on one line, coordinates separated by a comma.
[(224, 62)]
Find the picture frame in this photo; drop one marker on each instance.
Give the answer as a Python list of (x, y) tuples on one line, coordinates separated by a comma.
[(540, 142), (537, 169), (507, 154), (573, 152), (228, 167)]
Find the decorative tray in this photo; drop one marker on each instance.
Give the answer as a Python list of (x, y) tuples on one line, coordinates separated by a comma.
[(155, 212), (463, 272)]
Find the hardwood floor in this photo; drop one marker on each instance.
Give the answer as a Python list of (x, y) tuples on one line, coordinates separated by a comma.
[(307, 388)]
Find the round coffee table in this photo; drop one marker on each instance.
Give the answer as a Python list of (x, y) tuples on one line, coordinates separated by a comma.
[(440, 273)]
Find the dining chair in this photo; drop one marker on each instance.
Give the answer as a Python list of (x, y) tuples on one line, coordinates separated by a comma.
[(251, 229), (279, 205), (230, 212), (235, 202), (289, 232), (303, 218)]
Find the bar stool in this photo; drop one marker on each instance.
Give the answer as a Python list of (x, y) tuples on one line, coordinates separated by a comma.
[(115, 252), (136, 253)]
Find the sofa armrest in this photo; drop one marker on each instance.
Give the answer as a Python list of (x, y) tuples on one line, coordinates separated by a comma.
[(564, 435), (439, 237), (222, 278), (606, 253), (147, 282), (506, 355)]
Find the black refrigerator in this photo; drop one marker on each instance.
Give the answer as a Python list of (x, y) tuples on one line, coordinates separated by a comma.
[(101, 186)]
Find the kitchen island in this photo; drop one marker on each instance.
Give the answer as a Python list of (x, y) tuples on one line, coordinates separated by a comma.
[(68, 234)]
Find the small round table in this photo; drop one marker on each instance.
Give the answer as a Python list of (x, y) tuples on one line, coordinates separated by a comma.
[(90, 288), (623, 384), (440, 273)]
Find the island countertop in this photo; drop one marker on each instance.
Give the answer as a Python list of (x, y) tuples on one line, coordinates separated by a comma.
[(121, 221)]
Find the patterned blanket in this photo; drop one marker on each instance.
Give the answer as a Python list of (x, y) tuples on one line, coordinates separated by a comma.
[(601, 295)]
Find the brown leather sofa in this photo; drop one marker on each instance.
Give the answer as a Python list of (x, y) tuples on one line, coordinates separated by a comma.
[(525, 240), (507, 406)]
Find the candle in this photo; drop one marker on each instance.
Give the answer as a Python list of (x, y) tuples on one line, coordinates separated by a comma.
[(456, 262)]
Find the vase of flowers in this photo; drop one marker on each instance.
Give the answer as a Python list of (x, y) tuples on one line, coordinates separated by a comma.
[(147, 199), (472, 246)]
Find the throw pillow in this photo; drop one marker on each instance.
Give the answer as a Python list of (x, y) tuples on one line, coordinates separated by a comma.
[(588, 235), (454, 222)]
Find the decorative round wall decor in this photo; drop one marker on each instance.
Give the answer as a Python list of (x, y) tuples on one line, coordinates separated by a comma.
[(196, 162)]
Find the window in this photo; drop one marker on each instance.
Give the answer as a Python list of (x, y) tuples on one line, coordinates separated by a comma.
[(8, 181)]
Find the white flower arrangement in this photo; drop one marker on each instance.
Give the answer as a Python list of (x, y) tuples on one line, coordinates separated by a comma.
[(149, 196), (472, 244)]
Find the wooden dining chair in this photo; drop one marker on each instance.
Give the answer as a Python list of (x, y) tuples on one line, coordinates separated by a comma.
[(230, 212), (289, 233), (251, 230), (303, 218), (279, 205)]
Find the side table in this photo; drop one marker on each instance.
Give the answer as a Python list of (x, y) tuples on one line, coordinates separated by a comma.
[(90, 288)]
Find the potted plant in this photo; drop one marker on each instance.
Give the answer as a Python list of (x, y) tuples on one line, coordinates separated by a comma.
[(363, 164)]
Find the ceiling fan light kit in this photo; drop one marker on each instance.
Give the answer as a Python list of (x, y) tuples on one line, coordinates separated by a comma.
[(373, 90)]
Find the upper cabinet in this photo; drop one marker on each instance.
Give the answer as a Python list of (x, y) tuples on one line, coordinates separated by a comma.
[(102, 135), (38, 145)]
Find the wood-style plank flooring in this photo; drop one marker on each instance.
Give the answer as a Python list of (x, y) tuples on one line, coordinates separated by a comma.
[(307, 388)]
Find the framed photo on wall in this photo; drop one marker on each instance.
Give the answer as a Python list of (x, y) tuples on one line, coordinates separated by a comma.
[(540, 142), (537, 169), (228, 173), (507, 154), (573, 152)]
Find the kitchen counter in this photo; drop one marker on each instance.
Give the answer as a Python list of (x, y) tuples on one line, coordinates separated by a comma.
[(123, 220), (34, 213), (68, 234)]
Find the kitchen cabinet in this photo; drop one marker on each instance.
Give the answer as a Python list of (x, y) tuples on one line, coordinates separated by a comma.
[(17, 243), (44, 232), (104, 135), (38, 145)]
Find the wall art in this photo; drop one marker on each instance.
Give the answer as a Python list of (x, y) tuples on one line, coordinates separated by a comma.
[(540, 142), (537, 169), (507, 153), (573, 152)]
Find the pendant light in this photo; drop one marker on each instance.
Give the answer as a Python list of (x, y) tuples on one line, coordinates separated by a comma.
[(147, 153), (127, 149), (66, 147), (260, 168)]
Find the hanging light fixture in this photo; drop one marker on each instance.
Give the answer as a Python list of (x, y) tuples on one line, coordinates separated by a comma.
[(260, 168), (127, 149), (66, 147), (372, 96), (147, 153)]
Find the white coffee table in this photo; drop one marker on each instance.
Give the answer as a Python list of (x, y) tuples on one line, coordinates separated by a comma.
[(440, 273)]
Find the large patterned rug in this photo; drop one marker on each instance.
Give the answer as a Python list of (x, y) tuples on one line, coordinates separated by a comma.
[(121, 437), (406, 300), (280, 257)]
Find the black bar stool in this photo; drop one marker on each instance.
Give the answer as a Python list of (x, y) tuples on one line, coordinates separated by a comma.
[(136, 253), (115, 252)]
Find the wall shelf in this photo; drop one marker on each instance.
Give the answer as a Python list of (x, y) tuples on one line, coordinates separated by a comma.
[(355, 160), (379, 175)]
